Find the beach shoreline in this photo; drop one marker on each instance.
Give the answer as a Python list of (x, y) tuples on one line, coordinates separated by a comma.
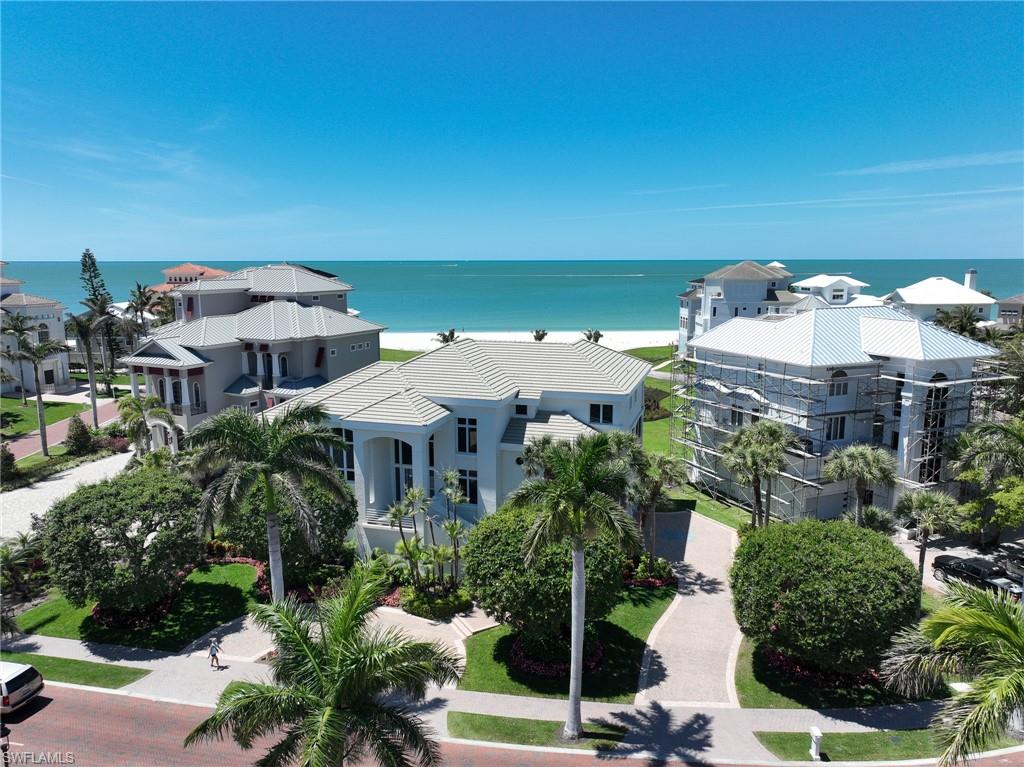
[(620, 340)]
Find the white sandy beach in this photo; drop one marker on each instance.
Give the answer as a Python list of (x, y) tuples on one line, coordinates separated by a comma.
[(613, 339)]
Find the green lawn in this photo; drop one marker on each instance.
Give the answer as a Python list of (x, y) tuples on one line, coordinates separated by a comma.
[(397, 355), (623, 633), (529, 732), (653, 354), (16, 418), (122, 380), (77, 671), (38, 459), (209, 597), (656, 436), (884, 745), (689, 497)]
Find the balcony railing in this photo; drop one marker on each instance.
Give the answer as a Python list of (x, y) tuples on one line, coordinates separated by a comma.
[(193, 409)]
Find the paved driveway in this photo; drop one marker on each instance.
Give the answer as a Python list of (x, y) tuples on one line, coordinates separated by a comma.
[(691, 651)]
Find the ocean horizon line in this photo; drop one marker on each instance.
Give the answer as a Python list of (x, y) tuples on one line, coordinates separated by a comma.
[(225, 259)]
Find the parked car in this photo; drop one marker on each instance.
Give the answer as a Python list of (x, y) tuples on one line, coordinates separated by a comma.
[(1014, 566), (19, 683), (976, 572)]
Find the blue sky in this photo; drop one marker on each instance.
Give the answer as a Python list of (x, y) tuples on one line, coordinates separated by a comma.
[(454, 131)]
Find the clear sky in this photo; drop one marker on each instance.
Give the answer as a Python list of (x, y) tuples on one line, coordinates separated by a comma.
[(453, 131)]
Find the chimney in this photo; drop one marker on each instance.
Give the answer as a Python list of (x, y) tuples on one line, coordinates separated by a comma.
[(971, 279)]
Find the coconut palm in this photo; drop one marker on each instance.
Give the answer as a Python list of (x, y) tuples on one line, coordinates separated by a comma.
[(592, 335), (35, 354), (281, 456), (776, 439), (456, 532), (446, 336), (451, 490), (931, 512), (21, 327), (996, 448), (82, 329), (164, 309), (746, 462), (962, 320), (103, 323), (138, 414), (575, 499), (868, 466), (341, 687), (140, 299), (540, 334), (976, 635)]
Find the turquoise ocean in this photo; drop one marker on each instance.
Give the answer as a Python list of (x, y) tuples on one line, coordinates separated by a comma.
[(427, 296)]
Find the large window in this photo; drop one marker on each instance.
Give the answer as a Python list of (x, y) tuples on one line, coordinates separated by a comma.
[(345, 459), (838, 385), (282, 364), (835, 428), (403, 468), (838, 294), (43, 331), (469, 487), (735, 416), (466, 433), (601, 413), (897, 404)]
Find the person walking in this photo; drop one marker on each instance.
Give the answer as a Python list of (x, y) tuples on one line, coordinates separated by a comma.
[(215, 653)]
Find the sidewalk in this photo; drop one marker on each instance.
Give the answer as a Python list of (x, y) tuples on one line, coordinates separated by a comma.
[(27, 444)]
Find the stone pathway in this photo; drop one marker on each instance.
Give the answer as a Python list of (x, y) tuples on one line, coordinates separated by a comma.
[(18, 506), (691, 651)]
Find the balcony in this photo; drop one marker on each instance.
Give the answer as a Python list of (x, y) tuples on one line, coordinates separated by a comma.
[(194, 409)]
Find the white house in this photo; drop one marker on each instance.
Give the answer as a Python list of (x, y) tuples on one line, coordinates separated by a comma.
[(832, 289), (48, 317), (833, 376), (470, 406), (926, 298)]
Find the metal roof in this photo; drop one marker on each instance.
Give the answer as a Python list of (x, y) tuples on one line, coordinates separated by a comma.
[(277, 279), (826, 280), (242, 386), (748, 270), (781, 297), (1017, 299), (558, 426), (940, 291), (839, 336), (286, 320), (294, 387), (165, 352)]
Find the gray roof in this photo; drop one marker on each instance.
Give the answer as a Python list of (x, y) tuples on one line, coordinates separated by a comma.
[(781, 297), (294, 387), (275, 279), (243, 386), (692, 292), (164, 352), (1017, 299), (26, 299), (748, 270), (558, 426), (407, 392), (843, 335)]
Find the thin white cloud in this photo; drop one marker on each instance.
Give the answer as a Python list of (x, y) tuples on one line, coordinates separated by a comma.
[(976, 160), (217, 121), (24, 181), (676, 189)]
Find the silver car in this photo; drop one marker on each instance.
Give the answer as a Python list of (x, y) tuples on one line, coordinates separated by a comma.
[(19, 683)]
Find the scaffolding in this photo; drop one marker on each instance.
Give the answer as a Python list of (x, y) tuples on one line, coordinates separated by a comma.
[(714, 394)]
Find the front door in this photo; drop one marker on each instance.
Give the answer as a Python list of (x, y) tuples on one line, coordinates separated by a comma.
[(48, 377)]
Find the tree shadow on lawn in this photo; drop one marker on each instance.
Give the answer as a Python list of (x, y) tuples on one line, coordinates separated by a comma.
[(200, 608)]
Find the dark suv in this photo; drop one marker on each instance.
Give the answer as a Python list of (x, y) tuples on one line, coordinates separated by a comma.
[(976, 572)]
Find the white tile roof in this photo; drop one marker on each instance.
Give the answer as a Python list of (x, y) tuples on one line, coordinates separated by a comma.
[(940, 291), (839, 336), (279, 279), (825, 280), (26, 299), (558, 426)]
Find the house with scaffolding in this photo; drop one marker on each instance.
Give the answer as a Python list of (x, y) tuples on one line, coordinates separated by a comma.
[(833, 376)]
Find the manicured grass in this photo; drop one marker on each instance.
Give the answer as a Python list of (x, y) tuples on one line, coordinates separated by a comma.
[(529, 732), (652, 354), (623, 633), (884, 745), (122, 380), (38, 459), (77, 671), (658, 383), (16, 418), (397, 355), (656, 436), (209, 597), (689, 497)]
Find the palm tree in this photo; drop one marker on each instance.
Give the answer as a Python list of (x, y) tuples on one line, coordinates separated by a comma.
[(746, 463), (138, 414), (35, 354), (533, 456), (446, 336), (19, 326), (452, 492), (1009, 392), (140, 299), (592, 335), (280, 457), (164, 309), (540, 334), (931, 511), (575, 499), (398, 512), (977, 635), (962, 320), (866, 465), (776, 440), (82, 329), (103, 325), (456, 532), (647, 493), (340, 686), (996, 448)]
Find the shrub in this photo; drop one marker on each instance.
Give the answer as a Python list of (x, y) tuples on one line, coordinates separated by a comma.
[(78, 440), (874, 518), (124, 542), (654, 570), (535, 600), (829, 594), (8, 465), (435, 607), (654, 409)]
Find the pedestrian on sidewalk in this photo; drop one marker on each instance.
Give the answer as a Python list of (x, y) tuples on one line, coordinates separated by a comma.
[(215, 653)]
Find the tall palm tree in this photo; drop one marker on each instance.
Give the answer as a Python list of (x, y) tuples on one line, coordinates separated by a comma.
[(962, 320), (977, 635), (103, 325), (868, 466), (281, 457), (932, 512), (21, 327), (1009, 392), (398, 512), (996, 448), (340, 686), (647, 493), (746, 462), (82, 329), (164, 309), (575, 499), (35, 354), (138, 414), (140, 299), (533, 456), (776, 440)]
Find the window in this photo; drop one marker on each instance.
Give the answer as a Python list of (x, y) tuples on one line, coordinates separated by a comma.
[(835, 428), (340, 296), (869, 497), (351, 347), (838, 294), (254, 404), (736, 312), (43, 332), (403, 468), (316, 299), (521, 410), (773, 283), (469, 487), (282, 363), (432, 490), (601, 413), (714, 311), (345, 459), (838, 386), (759, 310), (196, 399), (878, 429), (735, 417), (334, 352), (897, 405), (894, 441), (466, 428)]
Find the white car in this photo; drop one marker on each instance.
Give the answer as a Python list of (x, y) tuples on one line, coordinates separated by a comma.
[(19, 683)]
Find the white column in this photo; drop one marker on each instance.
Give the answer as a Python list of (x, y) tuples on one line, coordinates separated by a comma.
[(133, 379), (909, 417), (184, 391), (168, 393), (174, 440), (245, 363), (259, 365), (275, 366)]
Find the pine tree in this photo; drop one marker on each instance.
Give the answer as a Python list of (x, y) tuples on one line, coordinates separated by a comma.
[(92, 280)]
